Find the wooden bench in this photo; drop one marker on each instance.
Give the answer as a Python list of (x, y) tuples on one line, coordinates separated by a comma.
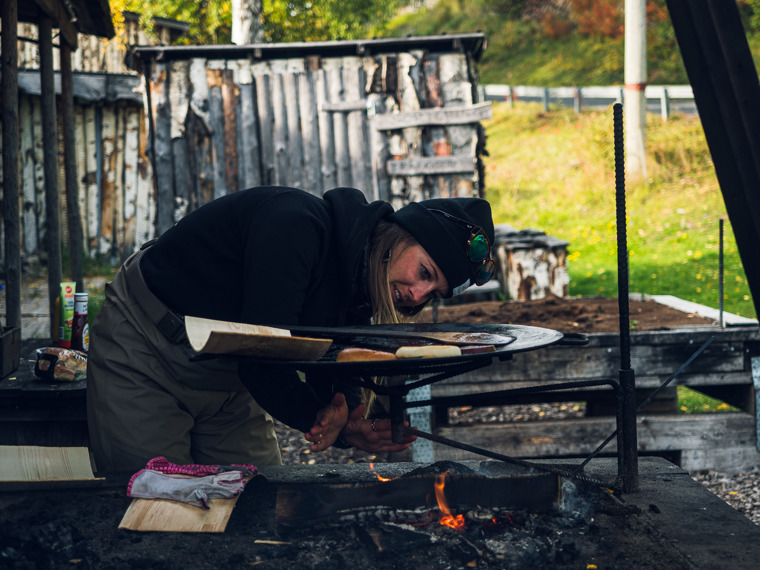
[(725, 441)]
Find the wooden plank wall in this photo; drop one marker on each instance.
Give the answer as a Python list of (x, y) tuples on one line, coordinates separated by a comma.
[(116, 197), (311, 123)]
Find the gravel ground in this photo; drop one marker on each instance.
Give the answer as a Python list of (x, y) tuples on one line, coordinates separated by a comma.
[(741, 491)]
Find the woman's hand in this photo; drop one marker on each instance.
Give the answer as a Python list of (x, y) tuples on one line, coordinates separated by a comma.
[(373, 436), (330, 421)]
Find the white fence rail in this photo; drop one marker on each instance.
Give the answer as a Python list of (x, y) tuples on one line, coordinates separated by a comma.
[(664, 99)]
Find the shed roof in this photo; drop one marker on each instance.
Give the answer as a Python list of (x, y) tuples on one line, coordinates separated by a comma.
[(92, 17), (472, 43)]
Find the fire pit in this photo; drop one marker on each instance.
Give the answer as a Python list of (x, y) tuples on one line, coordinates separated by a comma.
[(672, 522)]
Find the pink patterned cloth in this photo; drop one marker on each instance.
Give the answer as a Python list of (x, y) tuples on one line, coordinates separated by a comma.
[(165, 466)]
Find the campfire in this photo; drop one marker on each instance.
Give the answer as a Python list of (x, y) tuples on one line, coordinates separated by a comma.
[(493, 511), (444, 492)]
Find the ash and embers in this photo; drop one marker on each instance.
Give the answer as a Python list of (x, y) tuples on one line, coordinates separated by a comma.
[(78, 529)]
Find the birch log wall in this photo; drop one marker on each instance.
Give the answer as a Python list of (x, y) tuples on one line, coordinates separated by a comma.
[(116, 196)]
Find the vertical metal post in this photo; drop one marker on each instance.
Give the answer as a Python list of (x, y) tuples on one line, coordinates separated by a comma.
[(720, 270), (628, 469), (664, 104), (755, 366)]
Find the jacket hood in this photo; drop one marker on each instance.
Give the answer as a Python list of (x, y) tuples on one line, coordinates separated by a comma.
[(354, 220)]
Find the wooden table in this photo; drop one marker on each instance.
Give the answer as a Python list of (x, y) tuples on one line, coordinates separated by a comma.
[(37, 412)]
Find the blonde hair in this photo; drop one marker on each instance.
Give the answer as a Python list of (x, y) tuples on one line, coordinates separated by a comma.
[(387, 238)]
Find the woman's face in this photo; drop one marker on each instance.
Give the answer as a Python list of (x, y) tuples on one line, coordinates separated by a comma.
[(414, 277)]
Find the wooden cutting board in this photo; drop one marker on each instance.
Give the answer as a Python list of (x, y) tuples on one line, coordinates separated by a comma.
[(210, 336), (162, 515), (34, 467)]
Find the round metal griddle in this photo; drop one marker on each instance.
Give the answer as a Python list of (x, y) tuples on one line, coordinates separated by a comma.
[(523, 338)]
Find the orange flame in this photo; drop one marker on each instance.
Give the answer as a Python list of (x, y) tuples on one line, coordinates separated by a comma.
[(379, 477), (447, 518)]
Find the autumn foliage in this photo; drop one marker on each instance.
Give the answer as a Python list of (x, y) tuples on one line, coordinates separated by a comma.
[(594, 18)]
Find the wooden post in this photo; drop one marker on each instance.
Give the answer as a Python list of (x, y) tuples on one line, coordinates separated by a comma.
[(326, 134), (635, 85), (50, 153), (70, 165), (307, 101), (10, 164)]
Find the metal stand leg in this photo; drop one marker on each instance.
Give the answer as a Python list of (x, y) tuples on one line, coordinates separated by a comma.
[(628, 459)]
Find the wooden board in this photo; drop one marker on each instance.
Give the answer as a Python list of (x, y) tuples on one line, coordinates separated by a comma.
[(150, 515), (31, 466), (223, 337), (724, 441)]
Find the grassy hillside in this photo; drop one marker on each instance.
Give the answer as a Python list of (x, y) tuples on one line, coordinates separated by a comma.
[(532, 50), (555, 172)]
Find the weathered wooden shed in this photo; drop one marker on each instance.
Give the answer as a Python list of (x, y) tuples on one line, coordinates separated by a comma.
[(70, 18), (396, 118)]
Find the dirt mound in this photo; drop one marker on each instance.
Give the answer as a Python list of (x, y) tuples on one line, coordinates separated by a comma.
[(582, 314)]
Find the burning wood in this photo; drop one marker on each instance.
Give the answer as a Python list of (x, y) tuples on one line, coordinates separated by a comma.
[(379, 477), (447, 518), (306, 504)]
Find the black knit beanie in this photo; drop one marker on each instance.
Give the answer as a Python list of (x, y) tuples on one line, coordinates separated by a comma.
[(444, 239)]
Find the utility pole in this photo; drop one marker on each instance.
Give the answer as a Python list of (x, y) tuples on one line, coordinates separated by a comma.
[(634, 97)]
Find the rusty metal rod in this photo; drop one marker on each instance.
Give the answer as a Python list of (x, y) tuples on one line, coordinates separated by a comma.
[(628, 468)]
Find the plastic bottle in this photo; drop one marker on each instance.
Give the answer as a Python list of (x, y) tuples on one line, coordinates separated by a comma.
[(80, 329)]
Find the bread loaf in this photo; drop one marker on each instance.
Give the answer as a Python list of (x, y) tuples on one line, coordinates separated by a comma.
[(429, 351), (358, 354), (56, 363)]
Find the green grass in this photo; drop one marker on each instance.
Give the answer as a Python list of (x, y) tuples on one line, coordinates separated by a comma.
[(693, 402), (555, 172)]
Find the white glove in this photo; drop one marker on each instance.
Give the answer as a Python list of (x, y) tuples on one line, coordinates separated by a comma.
[(147, 484)]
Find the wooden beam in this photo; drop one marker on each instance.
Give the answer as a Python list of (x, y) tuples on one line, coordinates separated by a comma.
[(431, 165), (699, 436), (54, 10), (76, 244), (50, 164), (9, 55), (439, 116), (724, 80)]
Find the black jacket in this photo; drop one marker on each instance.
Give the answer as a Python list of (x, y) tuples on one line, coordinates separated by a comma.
[(275, 256)]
